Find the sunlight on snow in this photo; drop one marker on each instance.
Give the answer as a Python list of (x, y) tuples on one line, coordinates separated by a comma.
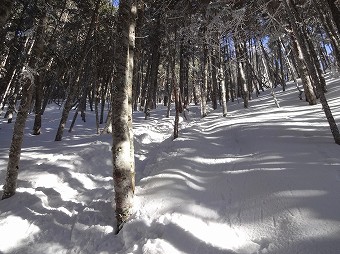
[(84, 179), (14, 231), (213, 161), (159, 246), (55, 182), (174, 176), (217, 234), (50, 157), (45, 202), (301, 193)]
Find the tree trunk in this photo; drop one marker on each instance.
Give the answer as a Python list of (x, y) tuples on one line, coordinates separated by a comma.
[(123, 162), (303, 71), (155, 59), (214, 68), (18, 136), (293, 15), (242, 80), (221, 78), (74, 85), (266, 67), (291, 69), (177, 104), (25, 104), (204, 85), (281, 65)]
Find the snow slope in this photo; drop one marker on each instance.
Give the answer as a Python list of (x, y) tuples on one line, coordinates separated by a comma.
[(262, 180)]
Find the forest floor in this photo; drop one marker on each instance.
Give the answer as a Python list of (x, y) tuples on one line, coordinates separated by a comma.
[(261, 180)]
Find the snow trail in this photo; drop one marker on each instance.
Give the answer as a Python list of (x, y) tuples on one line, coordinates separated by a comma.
[(261, 180)]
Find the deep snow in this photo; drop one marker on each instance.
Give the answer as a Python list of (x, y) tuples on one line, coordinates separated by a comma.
[(261, 180)]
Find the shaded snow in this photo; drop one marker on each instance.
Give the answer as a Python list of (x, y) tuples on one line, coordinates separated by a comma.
[(261, 180)]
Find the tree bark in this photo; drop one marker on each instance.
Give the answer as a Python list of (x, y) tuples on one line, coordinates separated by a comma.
[(221, 78), (303, 71), (293, 15), (74, 85), (242, 80), (123, 161), (10, 185)]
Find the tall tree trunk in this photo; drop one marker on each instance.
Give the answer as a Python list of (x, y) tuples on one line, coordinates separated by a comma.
[(291, 69), (25, 104), (293, 15), (123, 162), (38, 105), (177, 103), (303, 71), (279, 49), (221, 78), (204, 85), (12, 61), (74, 85), (17, 139), (266, 67), (155, 59), (242, 79), (214, 70)]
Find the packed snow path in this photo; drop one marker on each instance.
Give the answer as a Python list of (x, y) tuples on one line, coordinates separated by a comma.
[(251, 183), (262, 180)]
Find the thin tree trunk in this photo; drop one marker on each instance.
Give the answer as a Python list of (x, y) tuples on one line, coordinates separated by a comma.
[(293, 15), (291, 69), (281, 66), (177, 104), (306, 81), (221, 78), (74, 86), (214, 68), (25, 104), (266, 67), (155, 60), (242, 80), (204, 85), (123, 162), (18, 136)]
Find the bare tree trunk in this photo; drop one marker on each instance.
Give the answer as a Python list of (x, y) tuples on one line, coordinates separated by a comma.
[(293, 15), (204, 67), (291, 70), (25, 104), (242, 79), (221, 78), (38, 106), (303, 71), (123, 162), (155, 60), (266, 67), (214, 69), (18, 136), (74, 86), (177, 104), (279, 49)]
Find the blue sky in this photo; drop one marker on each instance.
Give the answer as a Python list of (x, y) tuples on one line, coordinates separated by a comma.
[(115, 2)]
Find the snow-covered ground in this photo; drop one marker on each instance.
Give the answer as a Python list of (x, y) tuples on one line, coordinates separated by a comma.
[(262, 180)]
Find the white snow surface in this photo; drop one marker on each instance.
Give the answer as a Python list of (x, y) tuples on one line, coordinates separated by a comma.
[(261, 180)]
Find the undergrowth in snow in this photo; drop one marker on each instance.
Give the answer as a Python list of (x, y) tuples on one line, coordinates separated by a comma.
[(261, 180)]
